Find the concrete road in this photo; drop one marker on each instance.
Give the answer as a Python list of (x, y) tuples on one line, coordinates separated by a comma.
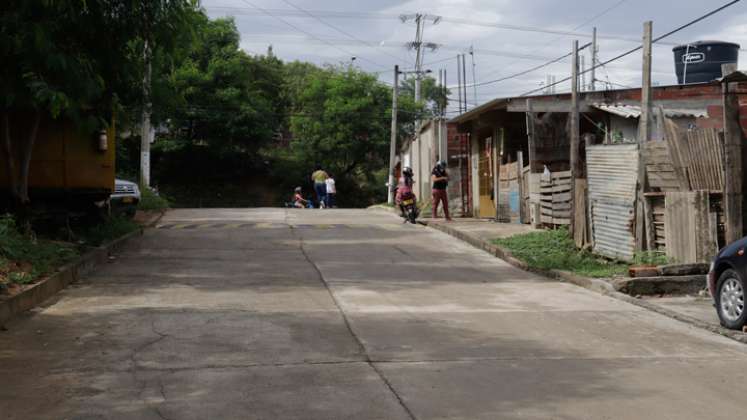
[(310, 314)]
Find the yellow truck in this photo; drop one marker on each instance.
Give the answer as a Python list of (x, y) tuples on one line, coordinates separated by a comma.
[(71, 170)]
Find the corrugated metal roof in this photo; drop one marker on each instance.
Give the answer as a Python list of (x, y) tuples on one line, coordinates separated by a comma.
[(634, 111)]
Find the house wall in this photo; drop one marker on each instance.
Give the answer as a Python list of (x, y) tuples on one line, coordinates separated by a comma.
[(426, 150), (457, 158), (475, 185)]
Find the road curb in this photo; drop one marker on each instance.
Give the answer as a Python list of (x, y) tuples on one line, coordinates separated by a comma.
[(596, 285), (65, 275), (153, 218)]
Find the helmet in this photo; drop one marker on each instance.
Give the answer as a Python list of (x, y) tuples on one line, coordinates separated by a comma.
[(298, 189), (441, 164), (407, 171)]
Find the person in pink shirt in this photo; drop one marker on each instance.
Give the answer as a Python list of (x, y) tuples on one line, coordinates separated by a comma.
[(404, 189)]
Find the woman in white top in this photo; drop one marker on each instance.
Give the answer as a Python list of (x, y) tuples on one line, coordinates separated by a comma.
[(331, 192)]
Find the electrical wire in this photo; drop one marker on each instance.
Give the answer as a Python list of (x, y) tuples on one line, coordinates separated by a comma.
[(268, 13), (386, 16), (527, 71), (640, 47), (577, 27), (329, 25)]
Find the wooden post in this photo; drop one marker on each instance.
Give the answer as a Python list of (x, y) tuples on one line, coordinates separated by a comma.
[(732, 160), (644, 134), (644, 127), (496, 175), (575, 123), (393, 139), (520, 164), (532, 144), (594, 48)]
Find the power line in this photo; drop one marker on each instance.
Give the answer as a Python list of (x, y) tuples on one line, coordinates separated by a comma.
[(527, 71), (294, 39), (577, 27), (638, 48), (372, 15), (265, 11), (306, 12)]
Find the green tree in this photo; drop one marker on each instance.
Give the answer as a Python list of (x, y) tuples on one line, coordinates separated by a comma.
[(227, 99), (68, 58), (341, 120), (434, 97)]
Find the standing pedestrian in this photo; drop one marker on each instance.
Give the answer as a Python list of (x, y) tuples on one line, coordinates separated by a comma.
[(440, 180), (320, 185), (331, 191)]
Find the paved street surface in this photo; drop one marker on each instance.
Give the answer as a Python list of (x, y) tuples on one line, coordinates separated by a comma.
[(339, 314)]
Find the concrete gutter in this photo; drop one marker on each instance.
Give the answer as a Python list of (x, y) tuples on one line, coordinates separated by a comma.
[(596, 285), (67, 274)]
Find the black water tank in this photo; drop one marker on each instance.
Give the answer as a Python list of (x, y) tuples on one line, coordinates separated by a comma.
[(701, 61)]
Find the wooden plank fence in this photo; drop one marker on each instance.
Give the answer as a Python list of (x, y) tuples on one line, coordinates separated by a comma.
[(688, 225), (555, 198)]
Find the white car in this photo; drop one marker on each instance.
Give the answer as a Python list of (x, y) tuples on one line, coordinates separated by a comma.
[(125, 198)]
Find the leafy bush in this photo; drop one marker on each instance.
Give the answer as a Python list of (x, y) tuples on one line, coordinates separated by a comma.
[(24, 258), (150, 200), (555, 250)]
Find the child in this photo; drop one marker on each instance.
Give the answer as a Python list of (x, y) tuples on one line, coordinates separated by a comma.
[(298, 200), (331, 192)]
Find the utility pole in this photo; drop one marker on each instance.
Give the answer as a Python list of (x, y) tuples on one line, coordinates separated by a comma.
[(459, 81), (575, 122), (145, 121), (644, 135), (393, 139), (474, 74), (733, 163), (644, 129), (594, 52), (419, 54), (420, 19), (464, 72), (582, 86)]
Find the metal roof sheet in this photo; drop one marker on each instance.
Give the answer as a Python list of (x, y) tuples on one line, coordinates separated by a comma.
[(634, 111)]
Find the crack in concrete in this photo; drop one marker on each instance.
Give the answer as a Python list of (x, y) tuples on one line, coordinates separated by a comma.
[(159, 413), (162, 390), (134, 369), (398, 248), (358, 340)]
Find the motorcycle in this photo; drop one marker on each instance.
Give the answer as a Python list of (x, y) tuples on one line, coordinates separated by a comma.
[(409, 208)]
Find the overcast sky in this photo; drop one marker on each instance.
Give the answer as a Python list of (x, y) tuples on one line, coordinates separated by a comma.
[(335, 30)]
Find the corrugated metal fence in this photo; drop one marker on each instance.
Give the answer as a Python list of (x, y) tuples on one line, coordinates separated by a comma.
[(613, 175)]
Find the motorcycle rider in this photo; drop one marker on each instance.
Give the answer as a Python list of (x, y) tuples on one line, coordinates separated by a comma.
[(404, 189)]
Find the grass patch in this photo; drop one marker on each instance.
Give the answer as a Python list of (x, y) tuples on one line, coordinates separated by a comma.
[(25, 258), (150, 201), (110, 230), (555, 250), (653, 258)]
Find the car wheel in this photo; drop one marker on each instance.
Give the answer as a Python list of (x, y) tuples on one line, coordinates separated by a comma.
[(730, 293)]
